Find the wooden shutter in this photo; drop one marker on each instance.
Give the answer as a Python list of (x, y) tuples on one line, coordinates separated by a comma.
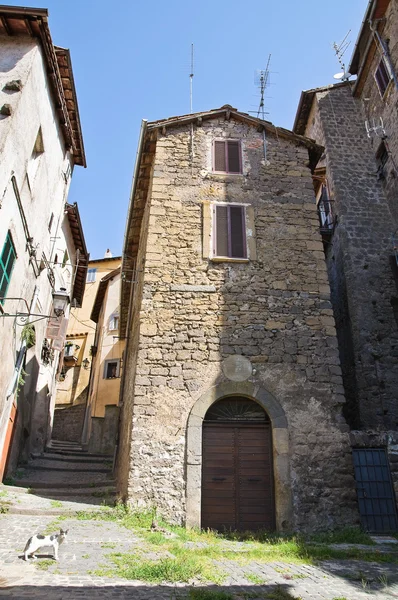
[(221, 237), (59, 340), (230, 231), (382, 76), (219, 156), (234, 162), (7, 260), (237, 231)]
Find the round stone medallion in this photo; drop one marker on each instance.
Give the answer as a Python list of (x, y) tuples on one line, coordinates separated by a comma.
[(237, 368)]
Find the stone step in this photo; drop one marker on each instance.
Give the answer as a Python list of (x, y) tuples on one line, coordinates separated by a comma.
[(41, 464), (95, 492), (65, 444), (56, 461), (82, 453), (57, 478), (77, 458)]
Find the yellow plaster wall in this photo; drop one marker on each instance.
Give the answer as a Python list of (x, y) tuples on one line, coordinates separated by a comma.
[(81, 331)]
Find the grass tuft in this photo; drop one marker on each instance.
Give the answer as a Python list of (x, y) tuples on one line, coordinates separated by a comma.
[(348, 535), (208, 594), (253, 578), (45, 564), (182, 568)]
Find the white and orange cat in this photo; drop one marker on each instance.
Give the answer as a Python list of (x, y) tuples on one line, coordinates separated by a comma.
[(40, 541)]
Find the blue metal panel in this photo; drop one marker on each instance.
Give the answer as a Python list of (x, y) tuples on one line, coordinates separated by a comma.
[(376, 498)]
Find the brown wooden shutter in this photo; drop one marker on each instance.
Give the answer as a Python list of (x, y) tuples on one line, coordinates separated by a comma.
[(237, 232), (234, 162), (221, 231), (219, 156)]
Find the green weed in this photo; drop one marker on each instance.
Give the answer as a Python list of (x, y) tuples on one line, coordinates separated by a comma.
[(208, 594), (44, 564), (280, 593), (253, 578), (348, 535), (108, 545), (56, 504), (174, 569)]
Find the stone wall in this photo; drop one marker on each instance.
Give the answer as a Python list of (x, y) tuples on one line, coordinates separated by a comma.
[(358, 259), (376, 106), (68, 423), (273, 309)]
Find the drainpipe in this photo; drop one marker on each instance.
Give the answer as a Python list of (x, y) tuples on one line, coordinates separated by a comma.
[(22, 351), (265, 145)]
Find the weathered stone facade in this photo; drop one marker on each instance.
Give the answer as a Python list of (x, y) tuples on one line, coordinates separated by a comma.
[(190, 311), (358, 259), (361, 170)]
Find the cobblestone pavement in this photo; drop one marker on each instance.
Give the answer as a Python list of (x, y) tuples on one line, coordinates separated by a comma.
[(90, 541)]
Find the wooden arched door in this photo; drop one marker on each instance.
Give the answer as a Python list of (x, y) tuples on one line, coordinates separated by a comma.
[(237, 477)]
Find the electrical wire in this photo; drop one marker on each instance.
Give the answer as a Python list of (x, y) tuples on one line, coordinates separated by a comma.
[(82, 322)]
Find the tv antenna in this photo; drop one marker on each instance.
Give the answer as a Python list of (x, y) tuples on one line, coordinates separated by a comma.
[(340, 50), (191, 80), (375, 128), (262, 80)]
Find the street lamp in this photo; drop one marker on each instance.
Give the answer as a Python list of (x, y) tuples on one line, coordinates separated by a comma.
[(60, 302)]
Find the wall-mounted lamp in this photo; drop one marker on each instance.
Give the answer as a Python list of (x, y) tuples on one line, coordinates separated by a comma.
[(86, 363), (60, 303)]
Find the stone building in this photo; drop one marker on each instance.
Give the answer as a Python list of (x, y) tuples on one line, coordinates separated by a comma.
[(356, 188), (232, 390), (102, 412), (42, 249), (75, 402)]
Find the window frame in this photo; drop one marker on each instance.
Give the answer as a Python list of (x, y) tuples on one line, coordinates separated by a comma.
[(112, 320), (229, 257), (91, 272), (383, 61), (50, 223), (226, 141), (107, 362), (4, 265)]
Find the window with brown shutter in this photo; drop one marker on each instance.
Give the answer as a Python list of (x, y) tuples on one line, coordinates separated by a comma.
[(227, 156), (383, 76), (229, 231)]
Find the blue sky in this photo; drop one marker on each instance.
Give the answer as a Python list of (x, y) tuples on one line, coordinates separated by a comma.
[(131, 60)]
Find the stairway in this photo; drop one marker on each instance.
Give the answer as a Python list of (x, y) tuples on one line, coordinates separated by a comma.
[(66, 472)]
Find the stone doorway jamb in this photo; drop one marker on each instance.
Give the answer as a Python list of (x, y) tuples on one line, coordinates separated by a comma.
[(280, 443)]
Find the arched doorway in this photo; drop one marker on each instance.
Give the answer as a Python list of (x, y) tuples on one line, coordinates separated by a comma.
[(237, 474)]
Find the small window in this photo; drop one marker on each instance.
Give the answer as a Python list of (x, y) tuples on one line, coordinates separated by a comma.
[(69, 349), (381, 160), (114, 323), (65, 259), (7, 260), (34, 161), (229, 225), (383, 75), (112, 368), (91, 275), (324, 207), (50, 223), (227, 156)]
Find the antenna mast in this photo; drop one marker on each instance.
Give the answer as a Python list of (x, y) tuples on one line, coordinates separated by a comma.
[(340, 50), (262, 81), (191, 79)]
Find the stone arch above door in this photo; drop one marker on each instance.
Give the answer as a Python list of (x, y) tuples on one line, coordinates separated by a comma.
[(280, 437)]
